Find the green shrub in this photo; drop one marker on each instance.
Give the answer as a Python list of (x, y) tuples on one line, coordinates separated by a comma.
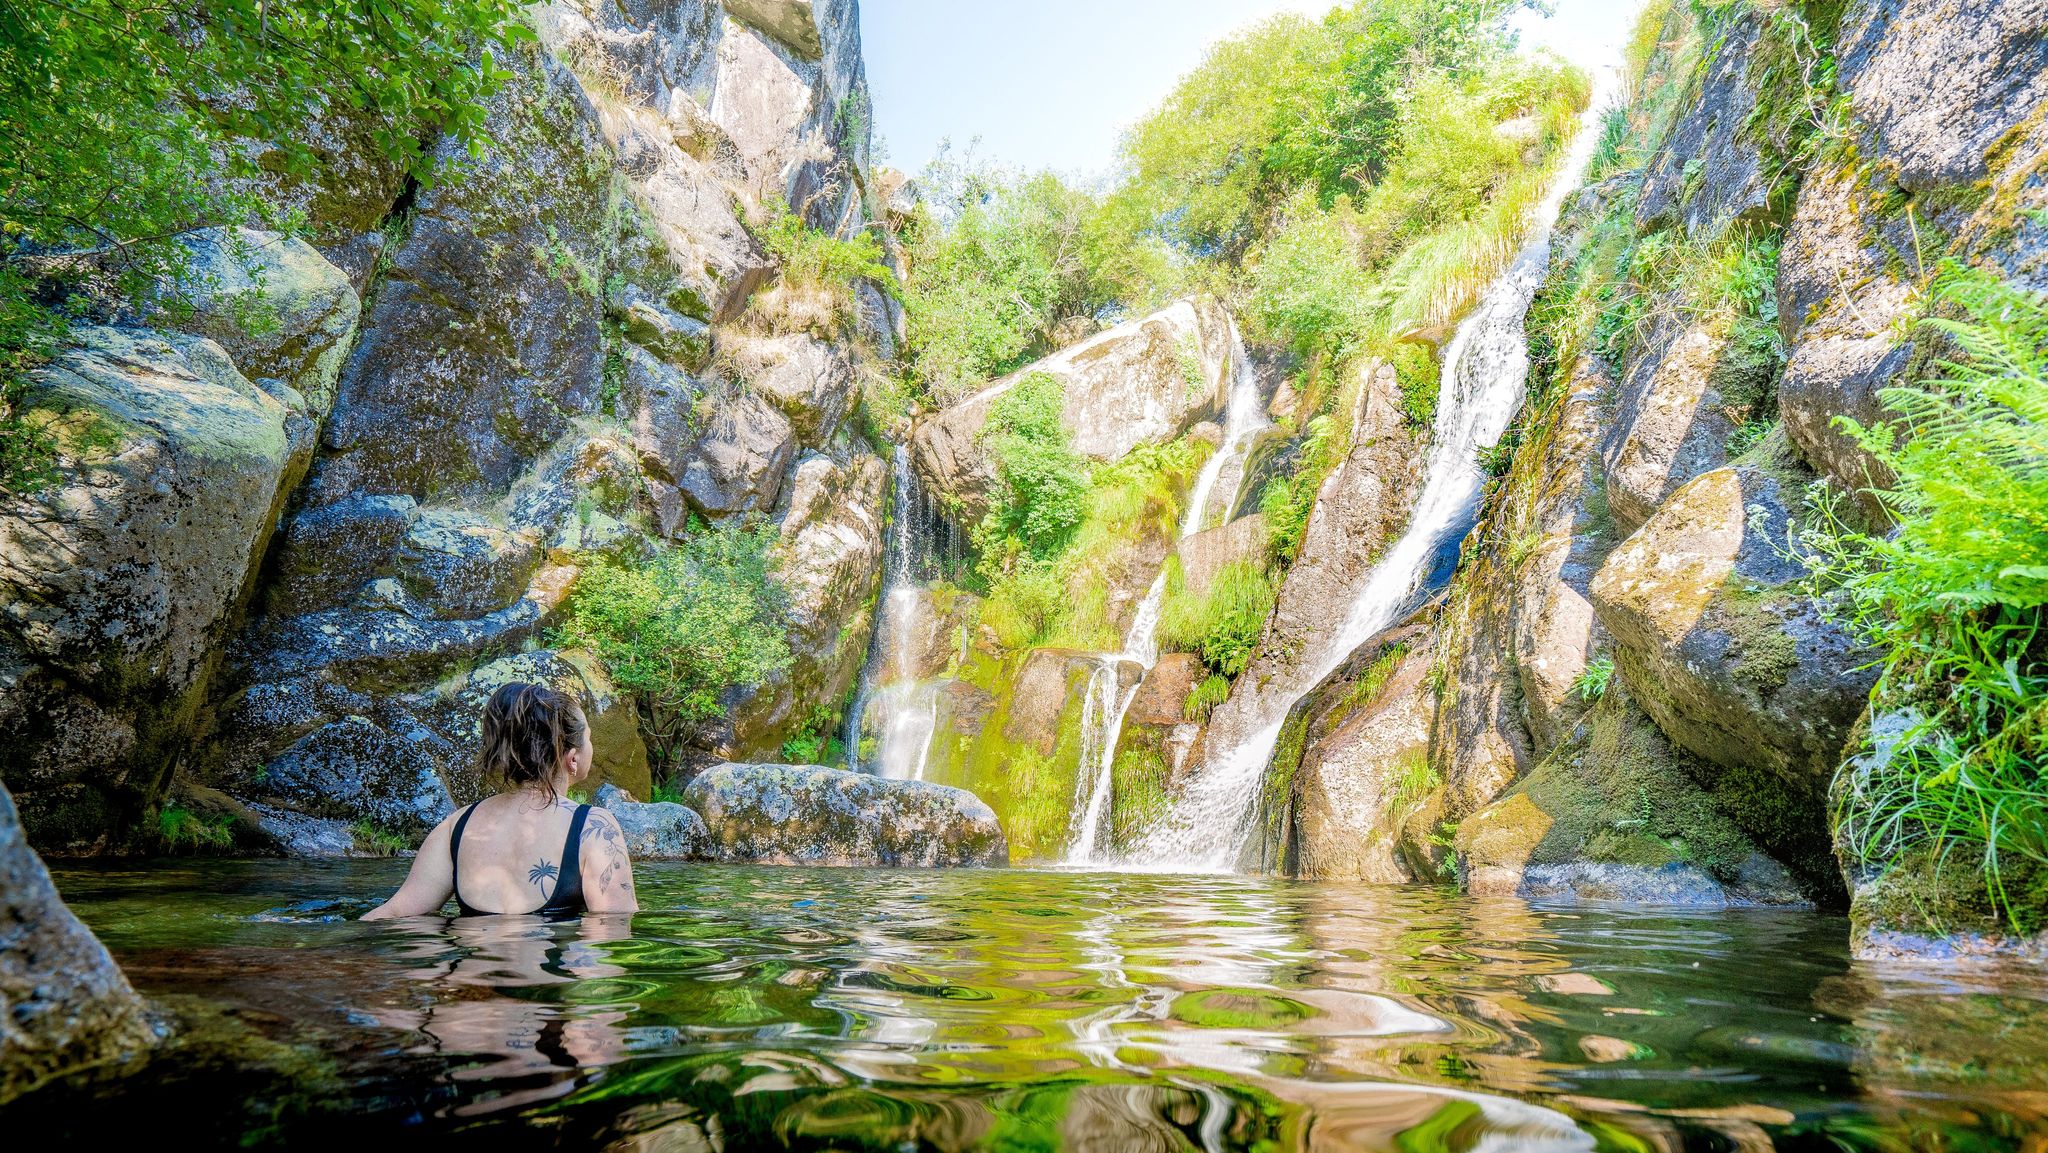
[(1287, 502), (1044, 480), (1307, 290), (1224, 622), (1957, 598), (378, 841), (684, 625), (814, 259)]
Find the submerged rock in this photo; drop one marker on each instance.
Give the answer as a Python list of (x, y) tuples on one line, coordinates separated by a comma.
[(63, 1001), (806, 815)]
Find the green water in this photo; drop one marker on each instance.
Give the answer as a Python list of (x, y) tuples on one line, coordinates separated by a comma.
[(1024, 1010)]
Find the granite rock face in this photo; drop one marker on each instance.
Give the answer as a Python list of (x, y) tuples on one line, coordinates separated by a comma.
[(805, 815)]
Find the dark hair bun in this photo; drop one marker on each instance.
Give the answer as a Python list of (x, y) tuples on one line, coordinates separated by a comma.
[(528, 730)]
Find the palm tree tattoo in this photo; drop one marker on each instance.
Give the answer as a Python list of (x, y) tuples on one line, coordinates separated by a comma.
[(545, 871)]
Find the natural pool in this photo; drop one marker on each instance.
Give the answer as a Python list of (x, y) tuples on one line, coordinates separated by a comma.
[(1033, 1010)]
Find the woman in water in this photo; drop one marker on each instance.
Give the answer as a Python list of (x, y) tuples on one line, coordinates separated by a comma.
[(528, 849)]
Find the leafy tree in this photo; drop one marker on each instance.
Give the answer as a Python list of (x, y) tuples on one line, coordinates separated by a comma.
[(680, 628), (129, 124), (1045, 481)]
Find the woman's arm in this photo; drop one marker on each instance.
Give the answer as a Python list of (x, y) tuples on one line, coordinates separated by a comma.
[(428, 886), (607, 873)]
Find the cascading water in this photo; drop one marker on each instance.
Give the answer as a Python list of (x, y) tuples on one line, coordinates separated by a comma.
[(1484, 370), (888, 681), (1102, 720)]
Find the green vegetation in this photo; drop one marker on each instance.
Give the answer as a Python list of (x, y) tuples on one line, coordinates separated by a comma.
[(1202, 700), (184, 831), (378, 841), (680, 627), (1957, 598), (1592, 681), (1222, 622), (814, 259), (130, 125)]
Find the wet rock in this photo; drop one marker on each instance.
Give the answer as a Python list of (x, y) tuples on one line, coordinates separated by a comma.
[(1162, 696), (804, 815), (298, 835), (278, 308), (828, 559), (1041, 693), (657, 831), (355, 770), (1144, 381), (1676, 883), (64, 1004), (802, 376), (484, 340), (460, 565), (1361, 781)]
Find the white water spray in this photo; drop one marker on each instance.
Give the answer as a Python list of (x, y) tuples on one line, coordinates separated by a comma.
[(908, 710), (1484, 369), (1102, 718)]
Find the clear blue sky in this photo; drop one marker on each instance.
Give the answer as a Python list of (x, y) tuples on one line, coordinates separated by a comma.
[(1050, 83)]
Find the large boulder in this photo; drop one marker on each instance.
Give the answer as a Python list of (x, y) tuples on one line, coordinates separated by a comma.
[(807, 379), (1715, 634), (1615, 813), (284, 314), (1679, 402), (1714, 166), (119, 582), (805, 815), (1145, 381), (1367, 773), (656, 830), (460, 564), (63, 1002)]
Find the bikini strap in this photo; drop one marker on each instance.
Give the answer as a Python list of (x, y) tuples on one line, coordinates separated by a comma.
[(572, 853), (455, 857)]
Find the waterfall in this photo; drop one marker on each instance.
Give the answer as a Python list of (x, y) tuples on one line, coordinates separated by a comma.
[(1484, 369), (889, 676), (1102, 720)]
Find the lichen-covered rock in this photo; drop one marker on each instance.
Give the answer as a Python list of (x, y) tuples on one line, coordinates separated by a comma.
[(1715, 636), (1145, 381), (329, 552), (64, 1004), (461, 565), (484, 339), (119, 582), (355, 770), (386, 641), (736, 465), (656, 831), (806, 815), (791, 23), (279, 309), (828, 560)]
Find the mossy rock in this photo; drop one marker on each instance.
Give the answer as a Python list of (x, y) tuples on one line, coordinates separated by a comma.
[(807, 815)]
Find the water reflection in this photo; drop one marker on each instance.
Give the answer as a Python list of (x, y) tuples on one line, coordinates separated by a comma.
[(1017, 1009)]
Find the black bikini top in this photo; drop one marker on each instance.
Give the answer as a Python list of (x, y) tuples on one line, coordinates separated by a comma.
[(567, 900)]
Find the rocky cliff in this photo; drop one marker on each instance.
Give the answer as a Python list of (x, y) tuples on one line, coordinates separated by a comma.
[(1630, 691), (286, 558)]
